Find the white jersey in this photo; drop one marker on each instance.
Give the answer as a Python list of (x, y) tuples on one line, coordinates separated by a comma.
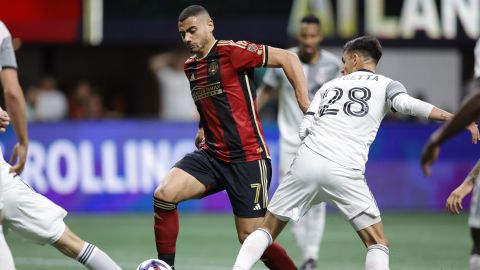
[(477, 59), (348, 112), (290, 116)]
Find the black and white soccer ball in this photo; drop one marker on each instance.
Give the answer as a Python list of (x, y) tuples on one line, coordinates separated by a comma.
[(154, 264)]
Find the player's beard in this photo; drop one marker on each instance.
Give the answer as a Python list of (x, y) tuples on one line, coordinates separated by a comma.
[(307, 53)]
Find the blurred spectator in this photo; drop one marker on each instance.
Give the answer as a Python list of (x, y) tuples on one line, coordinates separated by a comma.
[(50, 104), (176, 103), (85, 102)]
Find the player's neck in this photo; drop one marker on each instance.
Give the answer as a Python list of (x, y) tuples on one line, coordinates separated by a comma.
[(367, 67), (310, 59), (208, 47)]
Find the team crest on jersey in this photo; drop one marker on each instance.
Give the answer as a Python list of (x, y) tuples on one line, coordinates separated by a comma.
[(212, 68), (252, 48)]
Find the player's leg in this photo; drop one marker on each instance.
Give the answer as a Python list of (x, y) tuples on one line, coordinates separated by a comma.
[(308, 231), (475, 256), (260, 242), (6, 259), (87, 254), (314, 224), (247, 187), (474, 224), (188, 179), (373, 237), (46, 226)]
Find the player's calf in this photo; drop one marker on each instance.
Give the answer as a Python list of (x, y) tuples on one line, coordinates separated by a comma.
[(87, 254)]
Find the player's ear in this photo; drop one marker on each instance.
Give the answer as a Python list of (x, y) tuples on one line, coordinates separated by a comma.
[(210, 25)]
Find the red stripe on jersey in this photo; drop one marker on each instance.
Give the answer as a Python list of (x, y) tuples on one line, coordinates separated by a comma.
[(210, 114), (239, 106)]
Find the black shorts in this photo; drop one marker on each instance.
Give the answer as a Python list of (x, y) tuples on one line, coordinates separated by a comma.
[(246, 183)]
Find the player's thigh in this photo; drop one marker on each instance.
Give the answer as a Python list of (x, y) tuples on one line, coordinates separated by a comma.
[(247, 186), (347, 190), (30, 214), (194, 176), (298, 191)]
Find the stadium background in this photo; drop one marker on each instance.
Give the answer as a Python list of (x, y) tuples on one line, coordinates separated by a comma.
[(104, 170)]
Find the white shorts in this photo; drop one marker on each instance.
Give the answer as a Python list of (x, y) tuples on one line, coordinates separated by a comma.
[(28, 213), (474, 217), (287, 154), (313, 179)]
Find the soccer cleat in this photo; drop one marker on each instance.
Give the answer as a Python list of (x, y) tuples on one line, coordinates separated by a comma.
[(309, 264)]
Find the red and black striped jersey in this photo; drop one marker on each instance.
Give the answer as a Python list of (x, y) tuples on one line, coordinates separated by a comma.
[(223, 89)]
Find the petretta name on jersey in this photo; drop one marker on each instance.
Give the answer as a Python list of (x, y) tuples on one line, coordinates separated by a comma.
[(201, 92), (369, 77)]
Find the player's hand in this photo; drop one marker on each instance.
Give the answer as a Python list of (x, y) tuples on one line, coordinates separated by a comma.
[(454, 201), (429, 156), (4, 120), (304, 126), (19, 156), (473, 128), (200, 138)]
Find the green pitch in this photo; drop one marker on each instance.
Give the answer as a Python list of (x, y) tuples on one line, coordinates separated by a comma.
[(208, 242)]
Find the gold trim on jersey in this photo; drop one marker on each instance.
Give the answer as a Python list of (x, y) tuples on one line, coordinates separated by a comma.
[(231, 43), (255, 115), (264, 174)]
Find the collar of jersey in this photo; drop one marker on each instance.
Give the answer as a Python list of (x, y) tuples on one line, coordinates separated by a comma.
[(365, 70)]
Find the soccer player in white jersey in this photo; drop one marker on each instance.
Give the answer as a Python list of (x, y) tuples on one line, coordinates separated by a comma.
[(26, 212), (470, 111), (337, 131), (319, 67)]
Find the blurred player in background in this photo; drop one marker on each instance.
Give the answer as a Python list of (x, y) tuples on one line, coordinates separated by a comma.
[(319, 66), (470, 111), (26, 212), (232, 154), (337, 131)]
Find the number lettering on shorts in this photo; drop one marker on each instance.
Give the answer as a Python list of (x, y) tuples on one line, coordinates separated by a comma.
[(257, 188)]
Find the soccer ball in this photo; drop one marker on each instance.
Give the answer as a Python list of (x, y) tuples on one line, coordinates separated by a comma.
[(154, 264)]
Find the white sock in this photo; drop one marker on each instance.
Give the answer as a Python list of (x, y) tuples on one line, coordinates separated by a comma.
[(475, 262), (95, 259), (6, 259), (314, 233), (252, 249), (377, 258)]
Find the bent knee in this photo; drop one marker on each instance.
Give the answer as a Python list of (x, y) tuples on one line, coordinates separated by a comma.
[(166, 194)]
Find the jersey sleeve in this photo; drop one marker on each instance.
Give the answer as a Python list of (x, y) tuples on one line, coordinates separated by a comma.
[(272, 78), (394, 88), (7, 54), (245, 55)]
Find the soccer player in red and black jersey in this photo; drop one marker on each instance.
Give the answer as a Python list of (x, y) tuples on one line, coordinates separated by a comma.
[(232, 154)]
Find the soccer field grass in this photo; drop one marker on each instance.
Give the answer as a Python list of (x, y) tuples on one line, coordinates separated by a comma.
[(208, 242)]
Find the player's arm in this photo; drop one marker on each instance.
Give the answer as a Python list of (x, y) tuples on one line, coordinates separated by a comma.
[(200, 138), (15, 103), (404, 103), (454, 201), (467, 113), (292, 67), (309, 116)]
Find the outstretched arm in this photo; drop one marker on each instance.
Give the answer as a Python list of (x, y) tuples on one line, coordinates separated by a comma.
[(467, 114), (454, 201), (292, 67)]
